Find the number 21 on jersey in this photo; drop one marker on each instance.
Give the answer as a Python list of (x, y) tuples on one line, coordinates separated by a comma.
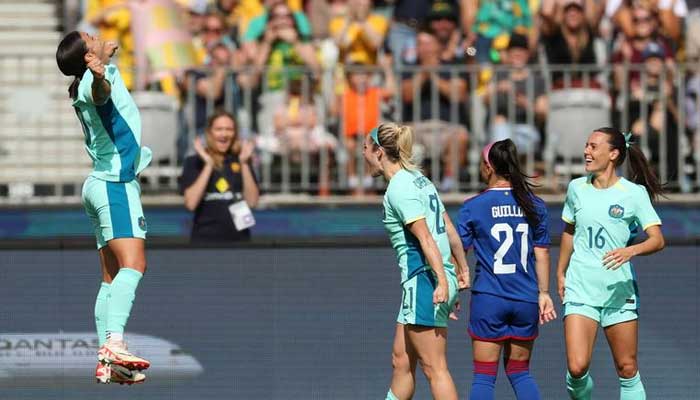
[(505, 230)]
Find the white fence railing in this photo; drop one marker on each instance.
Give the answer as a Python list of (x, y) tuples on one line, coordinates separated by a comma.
[(307, 127)]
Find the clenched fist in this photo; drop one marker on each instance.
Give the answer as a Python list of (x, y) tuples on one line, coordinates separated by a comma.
[(95, 65)]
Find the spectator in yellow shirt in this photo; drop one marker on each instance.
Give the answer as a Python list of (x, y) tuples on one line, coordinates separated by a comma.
[(239, 13), (359, 33), (112, 19)]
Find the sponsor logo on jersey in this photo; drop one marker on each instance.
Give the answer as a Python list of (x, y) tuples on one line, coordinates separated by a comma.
[(221, 185), (616, 211), (219, 196)]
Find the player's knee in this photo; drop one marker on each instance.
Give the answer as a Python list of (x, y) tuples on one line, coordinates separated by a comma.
[(578, 368), (432, 369), (400, 361), (626, 368), (135, 264)]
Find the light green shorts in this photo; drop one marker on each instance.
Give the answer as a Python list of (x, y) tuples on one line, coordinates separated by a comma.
[(417, 306), (114, 209), (604, 315)]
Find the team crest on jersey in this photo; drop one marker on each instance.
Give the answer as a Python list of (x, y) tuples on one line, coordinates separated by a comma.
[(616, 211), (421, 182), (142, 223), (221, 185), (235, 167)]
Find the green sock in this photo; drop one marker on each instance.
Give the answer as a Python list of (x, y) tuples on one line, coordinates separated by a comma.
[(632, 388), (101, 313), (579, 388), (121, 298), (391, 396)]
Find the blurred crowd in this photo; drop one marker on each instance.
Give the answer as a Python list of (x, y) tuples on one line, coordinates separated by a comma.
[(311, 76)]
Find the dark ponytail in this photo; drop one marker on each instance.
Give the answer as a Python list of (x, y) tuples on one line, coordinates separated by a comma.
[(503, 158), (641, 172), (70, 57)]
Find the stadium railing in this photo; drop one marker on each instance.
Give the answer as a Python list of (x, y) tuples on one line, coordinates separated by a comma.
[(581, 98)]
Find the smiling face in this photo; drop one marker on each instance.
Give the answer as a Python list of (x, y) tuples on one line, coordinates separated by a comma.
[(599, 154), (221, 135), (104, 50)]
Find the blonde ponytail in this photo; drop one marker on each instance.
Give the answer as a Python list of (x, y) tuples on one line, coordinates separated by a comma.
[(397, 141)]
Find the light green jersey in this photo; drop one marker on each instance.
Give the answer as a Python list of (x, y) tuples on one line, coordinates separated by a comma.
[(605, 219), (112, 130), (410, 197)]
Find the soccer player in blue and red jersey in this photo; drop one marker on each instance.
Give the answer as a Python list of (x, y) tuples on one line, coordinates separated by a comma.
[(507, 226)]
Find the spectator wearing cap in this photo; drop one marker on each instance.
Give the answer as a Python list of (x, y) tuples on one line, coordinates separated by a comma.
[(443, 19), (519, 108), (495, 20), (434, 99), (410, 16), (359, 33), (196, 11), (631, 49), (568, 33)]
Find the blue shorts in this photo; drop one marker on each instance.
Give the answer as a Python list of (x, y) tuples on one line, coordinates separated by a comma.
[(495, 319)]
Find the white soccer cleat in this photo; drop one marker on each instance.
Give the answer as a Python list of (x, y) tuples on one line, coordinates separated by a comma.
[(114, 352), (124, 376)]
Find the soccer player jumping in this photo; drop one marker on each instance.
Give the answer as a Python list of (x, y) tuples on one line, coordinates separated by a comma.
[(111, 194)]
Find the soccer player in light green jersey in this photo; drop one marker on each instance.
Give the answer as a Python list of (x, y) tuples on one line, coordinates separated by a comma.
[(426, 244), (112, 128), (597, 284)]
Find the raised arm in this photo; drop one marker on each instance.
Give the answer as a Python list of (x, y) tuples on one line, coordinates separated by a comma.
[(101, 89), (194, 193), (251, 192)]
